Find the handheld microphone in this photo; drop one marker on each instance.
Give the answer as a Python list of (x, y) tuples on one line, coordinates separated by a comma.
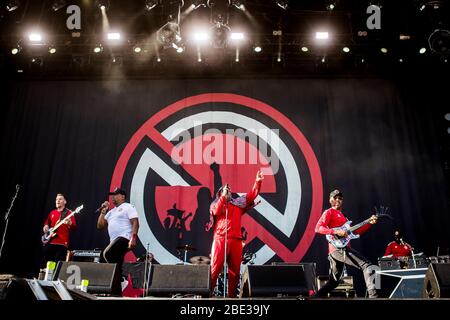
[(101, 207)]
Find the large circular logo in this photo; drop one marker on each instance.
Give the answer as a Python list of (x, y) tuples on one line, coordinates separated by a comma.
[(176, 161)]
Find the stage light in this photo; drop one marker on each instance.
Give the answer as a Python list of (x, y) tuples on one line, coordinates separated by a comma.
[(322, 35), (278, 59), (422, 50), (237, 36), (283, 4), (331, 6), (102, 4), (257, 49), (305, 49), (346, 49), (98, 49), (199, 59), (35, 37), (113, 36), (150, 4), (179, 49), (12, 5), (239, 4), (58, 4), (384, 50), (200, 37), (158, 59), (400, 60), (169, 35), (52, 50), (16, 49), (137, 49), (323, 60), (198, 3), (439, 42)]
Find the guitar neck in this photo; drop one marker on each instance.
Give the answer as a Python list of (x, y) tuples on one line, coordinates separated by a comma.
[(62, 221), (359, 225)]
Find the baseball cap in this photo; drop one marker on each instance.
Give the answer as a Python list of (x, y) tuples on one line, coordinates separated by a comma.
[(335, 193), (118, 191)]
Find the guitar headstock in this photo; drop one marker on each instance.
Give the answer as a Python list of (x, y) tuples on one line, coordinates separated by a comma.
[(78, 209), (382, 212)]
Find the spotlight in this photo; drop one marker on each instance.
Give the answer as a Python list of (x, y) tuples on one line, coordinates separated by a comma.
[(237, 36), (16, 49), (12, 5), (37, 61), (346, 49), (179, 48), (239, 4), (198, 3), (58, 4), (331, 6), (102, 4), (113, 36), (137, 49), (52, 50), (422, 50), (169, 34), (98, 49), (158, 59), (384, 50), (305, 49), (35, 37), (150, 4), (322, 35), (323, 60), (199, 59), (283, 4), (400, 60), (200, 37), (439, 42), (257, 49)]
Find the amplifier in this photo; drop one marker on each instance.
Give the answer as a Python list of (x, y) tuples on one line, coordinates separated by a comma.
[(86, 255)]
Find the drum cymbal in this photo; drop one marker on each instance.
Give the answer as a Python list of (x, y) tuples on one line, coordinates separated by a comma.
[(186, 247), (200, 260)]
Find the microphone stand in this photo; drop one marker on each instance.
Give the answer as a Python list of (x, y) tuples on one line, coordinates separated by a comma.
[(7, 219), (225, 264)]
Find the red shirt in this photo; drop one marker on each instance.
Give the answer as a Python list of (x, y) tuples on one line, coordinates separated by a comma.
[(234, 214), (332, 218), (398, 250), (62, 233)]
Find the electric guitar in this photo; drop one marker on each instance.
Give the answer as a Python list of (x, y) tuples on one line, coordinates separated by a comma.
[(342, 242), (46, 237)]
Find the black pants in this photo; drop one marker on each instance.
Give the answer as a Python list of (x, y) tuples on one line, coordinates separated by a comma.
[(353, 258), (115, 252), (53, 252)]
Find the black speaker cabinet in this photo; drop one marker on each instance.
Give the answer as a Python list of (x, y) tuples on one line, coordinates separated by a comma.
[(14, 288), (167, 280), (103, 278), (276, 280), (437, 281)]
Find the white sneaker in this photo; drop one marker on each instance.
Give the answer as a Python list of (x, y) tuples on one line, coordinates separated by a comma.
[(124, 284)]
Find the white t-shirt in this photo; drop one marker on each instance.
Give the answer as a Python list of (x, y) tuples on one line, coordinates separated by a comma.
[(119, 224)]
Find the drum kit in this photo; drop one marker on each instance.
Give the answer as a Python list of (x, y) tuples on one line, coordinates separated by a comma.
[(197, 260)]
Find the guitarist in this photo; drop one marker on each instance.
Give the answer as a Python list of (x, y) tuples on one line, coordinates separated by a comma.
[(333, 218), (56, 248)]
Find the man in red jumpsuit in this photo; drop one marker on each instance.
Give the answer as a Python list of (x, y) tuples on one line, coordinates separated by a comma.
[(231, 230)]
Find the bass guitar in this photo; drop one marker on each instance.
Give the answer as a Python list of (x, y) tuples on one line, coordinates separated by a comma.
[(46, 237)]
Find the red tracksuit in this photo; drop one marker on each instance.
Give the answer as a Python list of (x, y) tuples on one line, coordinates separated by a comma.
[(234, 243), (398, 250), (332, 218)]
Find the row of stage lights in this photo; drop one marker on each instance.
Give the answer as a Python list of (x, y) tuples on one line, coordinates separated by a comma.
[(200, 38)]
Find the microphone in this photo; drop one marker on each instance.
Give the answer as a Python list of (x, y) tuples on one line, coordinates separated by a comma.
[(101, 207)]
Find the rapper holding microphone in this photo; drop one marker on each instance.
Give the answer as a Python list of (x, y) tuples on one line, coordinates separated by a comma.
[(226, 213), (123, 225)]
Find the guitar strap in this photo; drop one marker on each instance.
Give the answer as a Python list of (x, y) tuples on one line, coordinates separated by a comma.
[(63, 214)]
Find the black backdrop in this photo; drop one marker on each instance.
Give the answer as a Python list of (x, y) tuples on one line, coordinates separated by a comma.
[(380, 141)]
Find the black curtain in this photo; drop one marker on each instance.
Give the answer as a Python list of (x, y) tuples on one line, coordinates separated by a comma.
[(380, 141)]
